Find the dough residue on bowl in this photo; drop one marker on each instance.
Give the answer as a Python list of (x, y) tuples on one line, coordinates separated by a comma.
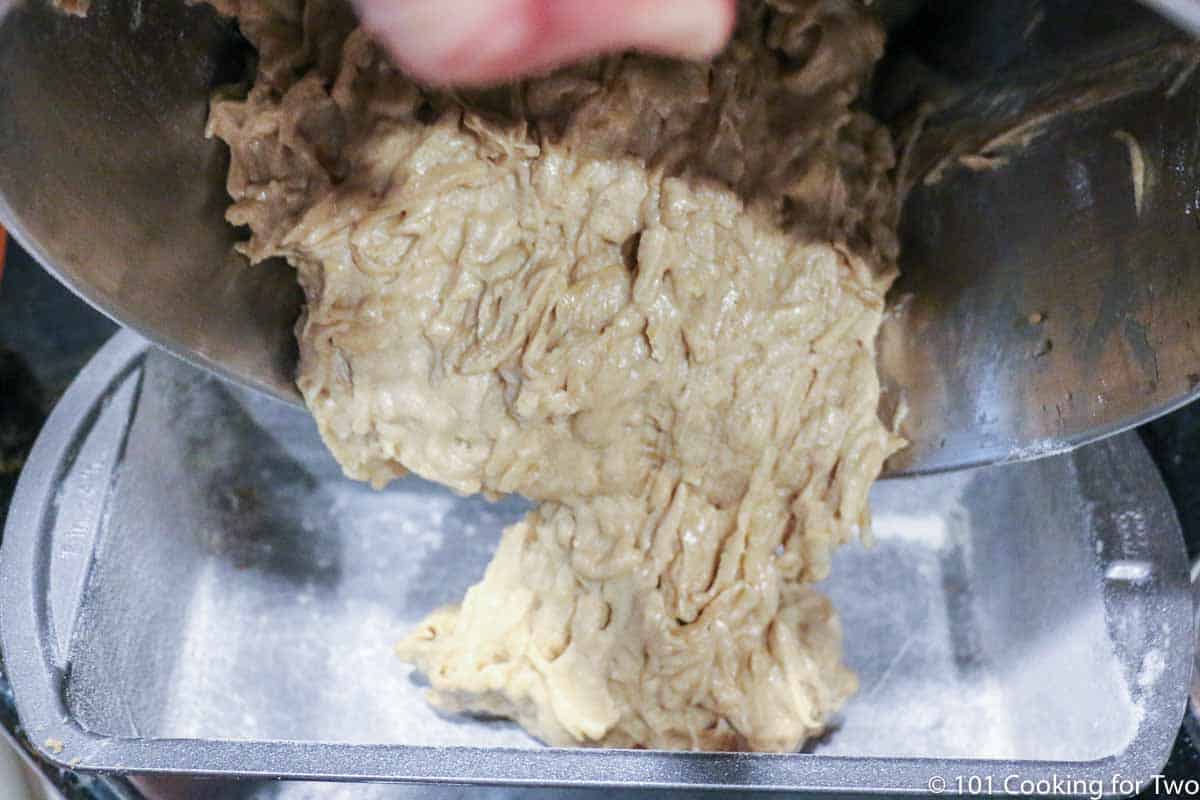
[(643, 293)]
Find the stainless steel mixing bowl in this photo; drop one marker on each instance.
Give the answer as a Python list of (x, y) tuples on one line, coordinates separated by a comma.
[(1044, 301)]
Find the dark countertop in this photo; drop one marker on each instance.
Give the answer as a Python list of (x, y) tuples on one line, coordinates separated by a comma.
[(47, 335)]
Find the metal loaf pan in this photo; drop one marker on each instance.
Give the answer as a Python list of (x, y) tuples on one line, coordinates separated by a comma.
[(189, 585)]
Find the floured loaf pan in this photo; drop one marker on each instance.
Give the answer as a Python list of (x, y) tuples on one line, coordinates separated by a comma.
[(189, 585)]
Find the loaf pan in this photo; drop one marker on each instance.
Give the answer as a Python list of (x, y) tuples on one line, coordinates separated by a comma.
[(189, 585)]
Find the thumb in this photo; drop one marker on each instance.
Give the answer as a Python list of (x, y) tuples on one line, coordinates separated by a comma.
[(476, 42)]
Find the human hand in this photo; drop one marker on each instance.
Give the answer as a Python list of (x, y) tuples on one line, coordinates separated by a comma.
[(474, 42)]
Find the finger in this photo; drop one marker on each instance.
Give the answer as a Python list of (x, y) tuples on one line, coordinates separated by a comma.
[(576, 29), (485, 41)]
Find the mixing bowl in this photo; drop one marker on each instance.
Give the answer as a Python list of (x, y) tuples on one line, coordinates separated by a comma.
[(1050, 294)]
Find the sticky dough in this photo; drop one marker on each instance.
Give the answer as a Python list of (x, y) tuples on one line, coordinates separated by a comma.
[(640, 292)]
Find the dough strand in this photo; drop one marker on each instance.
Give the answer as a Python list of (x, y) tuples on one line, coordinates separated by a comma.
[(642, 293)]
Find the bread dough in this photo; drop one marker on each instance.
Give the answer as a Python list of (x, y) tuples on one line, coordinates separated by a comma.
[(641, 292)]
